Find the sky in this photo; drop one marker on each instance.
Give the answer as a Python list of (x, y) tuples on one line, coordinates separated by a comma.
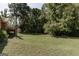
[(32, 5), (3, 6), (35, 5)]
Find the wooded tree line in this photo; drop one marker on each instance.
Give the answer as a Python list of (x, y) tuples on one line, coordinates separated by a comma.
[(31, 19), (53, 18)]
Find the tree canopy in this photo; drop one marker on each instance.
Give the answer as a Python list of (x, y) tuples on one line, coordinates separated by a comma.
[(62, 19), (52, 18)]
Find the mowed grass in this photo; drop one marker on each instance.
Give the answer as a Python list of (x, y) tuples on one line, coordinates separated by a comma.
[(42, 45)]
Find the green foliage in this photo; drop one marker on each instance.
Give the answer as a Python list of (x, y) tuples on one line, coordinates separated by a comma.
[(20, 10), (53, 18), (62, 19), (3, 36), (35, 22), (32, 20)]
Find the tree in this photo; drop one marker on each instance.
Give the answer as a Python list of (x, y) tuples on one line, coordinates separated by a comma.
[(19, 10), (37, 21), (4, 13), (62, 18)]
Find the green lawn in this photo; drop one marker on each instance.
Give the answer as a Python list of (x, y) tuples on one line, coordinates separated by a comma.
[(33, 45)]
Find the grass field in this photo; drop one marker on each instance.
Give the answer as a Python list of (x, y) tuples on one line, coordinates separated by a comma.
[(42, 45)]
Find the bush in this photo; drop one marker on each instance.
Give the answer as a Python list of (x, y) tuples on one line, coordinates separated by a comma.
[(63, 19), (2, 36)]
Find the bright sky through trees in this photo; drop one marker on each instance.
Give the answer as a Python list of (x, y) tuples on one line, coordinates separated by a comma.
[(32, 5)]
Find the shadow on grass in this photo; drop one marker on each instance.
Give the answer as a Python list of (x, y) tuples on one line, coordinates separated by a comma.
[(12, 36), (67, 36), (19, 37), (3, 43), (71, 36), (34, 33)]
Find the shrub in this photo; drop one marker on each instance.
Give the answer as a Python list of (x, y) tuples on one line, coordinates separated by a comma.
[(63, 19), (2, 36)]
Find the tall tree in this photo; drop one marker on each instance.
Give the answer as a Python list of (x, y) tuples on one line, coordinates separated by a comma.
[(37, 21), (62, 18), (19, 10)]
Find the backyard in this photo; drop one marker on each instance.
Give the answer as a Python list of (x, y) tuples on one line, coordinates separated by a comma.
[(41, 45)]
